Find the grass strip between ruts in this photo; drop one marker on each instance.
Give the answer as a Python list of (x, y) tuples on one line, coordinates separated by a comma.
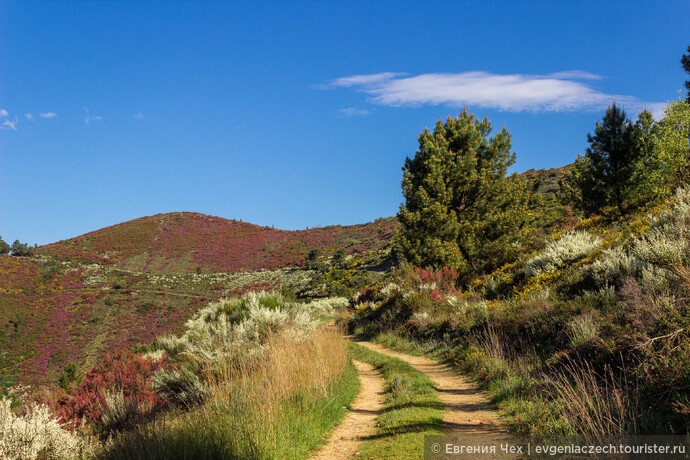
[(411, 410)]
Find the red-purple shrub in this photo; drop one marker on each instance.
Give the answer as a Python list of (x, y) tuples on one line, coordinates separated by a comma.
[(122, 378), (444, 279)]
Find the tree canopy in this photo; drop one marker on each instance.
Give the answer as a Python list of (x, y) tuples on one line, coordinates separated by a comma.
[(671, 150), (610, 173), (461, 210)]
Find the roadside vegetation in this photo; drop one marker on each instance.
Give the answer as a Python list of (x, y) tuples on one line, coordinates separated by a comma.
[(256, 376), (584, 329)]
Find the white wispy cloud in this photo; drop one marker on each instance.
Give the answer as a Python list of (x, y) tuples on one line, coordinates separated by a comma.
[(4, 113), (29, 116), (353, 111), (48, 115), (89, 118), (9, 124), (138, 116), (575, 75), (359, 80), (556, 92)]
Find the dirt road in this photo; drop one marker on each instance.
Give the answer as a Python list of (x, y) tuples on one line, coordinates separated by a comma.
[(467, 410), (468, 414), (361, 420)]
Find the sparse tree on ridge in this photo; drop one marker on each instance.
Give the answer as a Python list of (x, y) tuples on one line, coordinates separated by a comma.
[(460, 209), (22, 249), (4, 247)]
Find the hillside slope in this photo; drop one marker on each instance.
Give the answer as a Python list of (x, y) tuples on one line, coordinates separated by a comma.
[(55, 313), (187, 242)]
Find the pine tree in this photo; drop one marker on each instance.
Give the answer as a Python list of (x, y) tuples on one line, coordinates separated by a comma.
[(460, 209), (22, 249), (641, 140), (610, 172), (4, 247)]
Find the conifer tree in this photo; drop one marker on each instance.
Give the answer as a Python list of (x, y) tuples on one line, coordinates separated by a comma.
[(610, 172), (22, 249), (460, 209), (642, 140)]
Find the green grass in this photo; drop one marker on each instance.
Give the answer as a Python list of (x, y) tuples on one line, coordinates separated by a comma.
[(508, 386), (411, 410), (239, 430), (306, 422)]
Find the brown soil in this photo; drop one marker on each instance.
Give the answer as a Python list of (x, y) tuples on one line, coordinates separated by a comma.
[(360, 421), (468, 413), (467, 410)]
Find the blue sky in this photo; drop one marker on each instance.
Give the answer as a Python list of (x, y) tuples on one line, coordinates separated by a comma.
[(296, 114)]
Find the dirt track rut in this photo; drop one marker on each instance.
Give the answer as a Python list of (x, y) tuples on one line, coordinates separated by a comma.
[(360, 421), (468, 414)]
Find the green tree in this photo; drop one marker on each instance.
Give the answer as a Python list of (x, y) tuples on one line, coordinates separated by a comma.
[(22, 249), (4, 247), (671, 150), (312, 259), (68, 376), (641, 138), (685, 61), (610, 172), (460, 209), (339, 258)]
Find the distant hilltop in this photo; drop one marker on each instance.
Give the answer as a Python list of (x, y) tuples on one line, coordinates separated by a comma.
[(185, 242)]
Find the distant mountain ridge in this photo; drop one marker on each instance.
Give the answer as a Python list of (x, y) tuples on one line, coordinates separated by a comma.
[(185, 242)]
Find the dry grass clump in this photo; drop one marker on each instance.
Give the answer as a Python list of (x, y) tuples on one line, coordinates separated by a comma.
[(230, 330), (271, 406), (287, 368), (596, 406)]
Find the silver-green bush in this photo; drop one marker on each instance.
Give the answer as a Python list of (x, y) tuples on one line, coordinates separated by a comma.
[(666, 247), (224, 331), (37, 434), (570, 247)]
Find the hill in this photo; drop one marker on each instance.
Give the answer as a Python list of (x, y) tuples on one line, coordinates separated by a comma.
[(186, 242), (123, 285)]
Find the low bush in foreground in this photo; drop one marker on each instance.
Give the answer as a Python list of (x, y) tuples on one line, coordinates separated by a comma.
[(37, 434), (114, 395), (278, 405)]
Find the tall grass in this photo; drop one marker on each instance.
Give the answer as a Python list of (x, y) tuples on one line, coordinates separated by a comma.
[(278, 405), (596, 406)]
